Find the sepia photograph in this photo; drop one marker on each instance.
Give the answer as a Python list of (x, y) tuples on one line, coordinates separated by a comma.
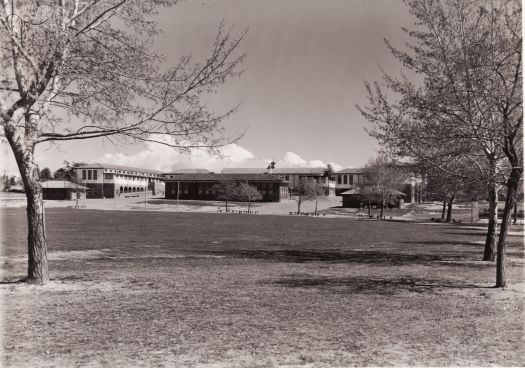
[(261, 183)]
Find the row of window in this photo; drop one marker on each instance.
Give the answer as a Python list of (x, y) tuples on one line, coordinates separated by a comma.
[(209, 188), (347, 179), (134, 173), (89, 174), (92, 175)]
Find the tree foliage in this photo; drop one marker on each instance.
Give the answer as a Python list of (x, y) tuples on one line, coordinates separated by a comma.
[(469, 104), (45, 174), (248, 193), (307, 190), (382, 180), (226, 191)]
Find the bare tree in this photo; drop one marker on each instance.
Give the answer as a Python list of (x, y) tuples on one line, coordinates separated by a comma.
[(249, 193), (470, 102), (306, 190), (451, 187), (85, 69), (382, 179), (226, 191)]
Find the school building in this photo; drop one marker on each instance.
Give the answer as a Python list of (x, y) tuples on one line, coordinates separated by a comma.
[(110, 181), (203, 186)]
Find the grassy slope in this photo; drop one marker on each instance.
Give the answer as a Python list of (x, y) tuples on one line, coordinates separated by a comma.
[(176, 289)]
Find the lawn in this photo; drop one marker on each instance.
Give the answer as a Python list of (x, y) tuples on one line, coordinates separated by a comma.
[(214, 290)]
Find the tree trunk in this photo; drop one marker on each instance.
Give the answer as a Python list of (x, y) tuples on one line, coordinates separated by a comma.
[(449, 210), (315, 211), (515, 214), (249, 203), (37, 267), (490, 241), (444, 208), (226, 203), (369, 209), (22, 144), (512, 188), (382, 208)]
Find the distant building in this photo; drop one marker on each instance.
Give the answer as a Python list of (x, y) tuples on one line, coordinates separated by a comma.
[(109, 181), (172, 174), (347, 179), (353, 199), (236, 170), (62, 190), (291, 176), (202, 186)]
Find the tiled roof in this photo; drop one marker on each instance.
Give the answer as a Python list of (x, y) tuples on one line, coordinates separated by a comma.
[(226, 177), (240, 170), (356, 191), (57, 184), (97, 165), (300, 171), (188, 171), (358, 170)]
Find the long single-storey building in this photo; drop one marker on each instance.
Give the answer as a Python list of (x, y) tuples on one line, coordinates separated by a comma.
[(202, 186), (62, 190), (354, 199), (291, 176)]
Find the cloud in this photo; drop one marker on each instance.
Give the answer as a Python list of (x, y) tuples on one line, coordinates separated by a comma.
[(291, 159), (160, 157)]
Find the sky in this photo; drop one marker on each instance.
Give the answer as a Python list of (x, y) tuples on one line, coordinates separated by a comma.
[(307, 62)]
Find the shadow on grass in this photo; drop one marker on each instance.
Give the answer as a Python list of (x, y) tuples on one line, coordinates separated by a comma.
[(17, 281), (350, 257), (443, 242), (362, 285)]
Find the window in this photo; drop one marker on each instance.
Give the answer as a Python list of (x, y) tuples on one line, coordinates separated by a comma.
[(345, 179), (351, 180), (89, 174), (338, 179), (108, 176), (287, 177), (95, 172), (83, 174)]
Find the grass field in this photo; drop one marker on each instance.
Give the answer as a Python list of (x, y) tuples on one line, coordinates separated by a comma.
[(212, 290)]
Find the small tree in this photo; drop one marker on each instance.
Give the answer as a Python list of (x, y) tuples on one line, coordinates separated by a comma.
[(249, 193), (7, 183), (382, 179), (306, 190), (45, 174), (226, 191)]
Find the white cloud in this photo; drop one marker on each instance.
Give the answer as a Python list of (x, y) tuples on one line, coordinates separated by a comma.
[(160, 157)]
